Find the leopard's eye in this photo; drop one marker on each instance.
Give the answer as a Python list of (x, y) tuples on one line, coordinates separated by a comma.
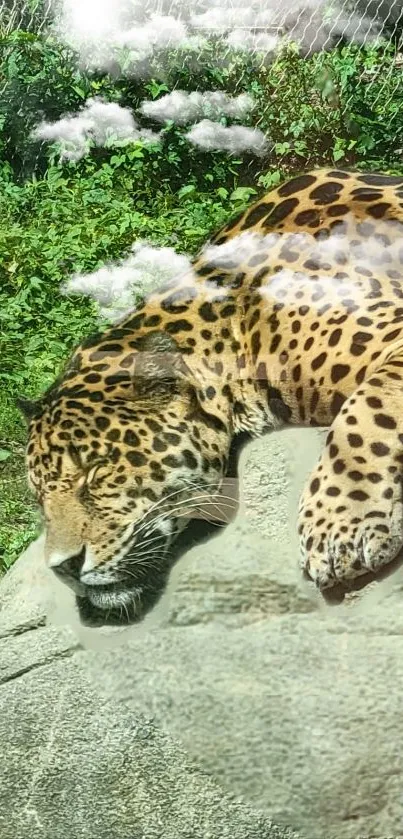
[(95, 472), (92, 473), (83, 493)]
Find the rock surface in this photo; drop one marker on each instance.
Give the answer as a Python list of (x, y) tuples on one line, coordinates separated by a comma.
[(279, 697), (301, 715), (25, 593), (77, 766)]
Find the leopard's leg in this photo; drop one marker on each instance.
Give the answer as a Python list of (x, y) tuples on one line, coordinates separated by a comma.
[(351, 511)]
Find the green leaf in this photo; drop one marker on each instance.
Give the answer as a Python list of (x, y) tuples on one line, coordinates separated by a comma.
[(186, 190), (4, 454), (338, 154), (117, 159), (80, 92), (242, 193), (134, 153)]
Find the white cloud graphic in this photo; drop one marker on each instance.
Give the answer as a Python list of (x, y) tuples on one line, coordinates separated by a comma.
[(101, 123)]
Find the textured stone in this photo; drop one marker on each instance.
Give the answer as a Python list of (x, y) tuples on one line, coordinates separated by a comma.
[(285, 699), (31, 649), (25, 592), (77, 766), (281, 698), (250, 571), (301, 715)]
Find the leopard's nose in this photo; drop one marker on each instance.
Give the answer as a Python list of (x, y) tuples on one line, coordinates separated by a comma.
[(71, 566)]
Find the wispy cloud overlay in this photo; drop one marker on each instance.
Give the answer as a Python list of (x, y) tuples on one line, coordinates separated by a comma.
[(116, 287), (183, 107), (99, 29), (356, 254), (234, 139), (106, 124), (99, 123)]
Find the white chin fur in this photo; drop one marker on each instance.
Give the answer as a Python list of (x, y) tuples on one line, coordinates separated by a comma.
[(113, 599)]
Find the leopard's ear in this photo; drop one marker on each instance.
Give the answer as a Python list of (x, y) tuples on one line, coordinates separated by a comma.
[(28, 407)]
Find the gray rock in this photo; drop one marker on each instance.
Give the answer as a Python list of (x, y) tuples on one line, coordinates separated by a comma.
[(76, 765), (300, 715), (77, 762), (250, 571), (213, 584), (290, 703), (25, 592), (28, 650), (286, 700)]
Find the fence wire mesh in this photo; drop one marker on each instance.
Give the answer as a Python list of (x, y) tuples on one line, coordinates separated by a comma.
[(137, 39), (314, 25)]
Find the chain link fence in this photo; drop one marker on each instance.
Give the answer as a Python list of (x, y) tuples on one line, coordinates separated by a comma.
[(368, 88), (315, 24), (261, 29)]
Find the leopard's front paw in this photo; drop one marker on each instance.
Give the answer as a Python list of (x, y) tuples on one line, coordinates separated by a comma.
[(343, 536)]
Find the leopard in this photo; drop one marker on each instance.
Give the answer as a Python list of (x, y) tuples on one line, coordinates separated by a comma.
[(292, 313)]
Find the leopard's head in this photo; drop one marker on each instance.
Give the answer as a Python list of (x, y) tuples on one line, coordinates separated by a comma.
[(118, 467)]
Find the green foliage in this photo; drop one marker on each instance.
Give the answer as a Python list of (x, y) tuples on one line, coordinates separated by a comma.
[(58, 219), (19, 519), (68, 223), (339, 106), (42, 77), (29, 16)]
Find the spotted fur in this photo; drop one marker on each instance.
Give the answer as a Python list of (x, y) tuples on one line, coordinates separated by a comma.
[(292, 314)]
